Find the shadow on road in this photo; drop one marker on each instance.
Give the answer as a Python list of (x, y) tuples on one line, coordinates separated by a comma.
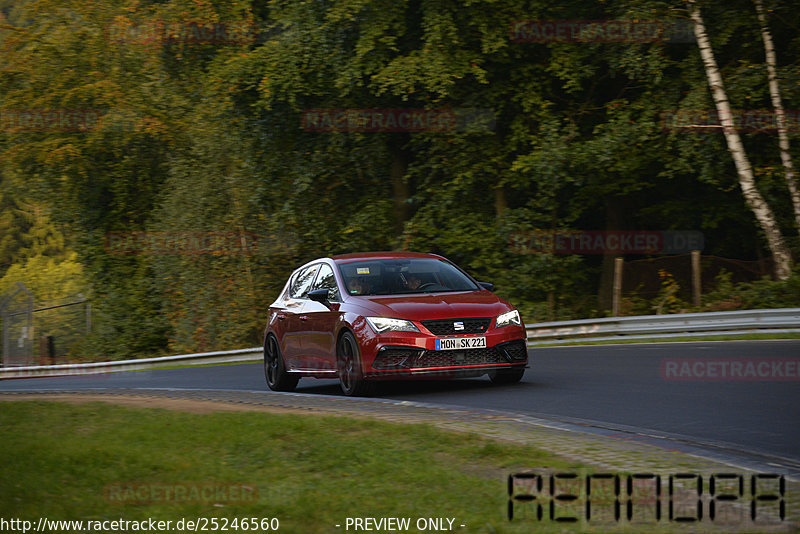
[(407, 388)]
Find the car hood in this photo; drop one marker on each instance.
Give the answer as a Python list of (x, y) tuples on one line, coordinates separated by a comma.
[(436, 305)]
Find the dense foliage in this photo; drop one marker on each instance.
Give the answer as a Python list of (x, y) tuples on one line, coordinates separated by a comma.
[(202, 134)]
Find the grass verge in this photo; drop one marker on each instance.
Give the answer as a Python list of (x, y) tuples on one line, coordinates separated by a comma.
[(93, 461), (65, 461)]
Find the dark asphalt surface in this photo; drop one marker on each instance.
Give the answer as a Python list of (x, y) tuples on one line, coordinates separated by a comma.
[(613, 386)]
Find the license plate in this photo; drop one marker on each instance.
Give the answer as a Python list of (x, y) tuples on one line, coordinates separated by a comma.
[(460, 343)]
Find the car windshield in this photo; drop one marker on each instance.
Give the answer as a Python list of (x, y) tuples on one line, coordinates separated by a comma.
[(401, 276)]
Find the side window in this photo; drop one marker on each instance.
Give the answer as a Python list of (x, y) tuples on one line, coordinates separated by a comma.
[(327, 280), (302, 283)]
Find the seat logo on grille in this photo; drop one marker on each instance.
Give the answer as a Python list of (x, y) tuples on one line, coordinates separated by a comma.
[(458, 325)]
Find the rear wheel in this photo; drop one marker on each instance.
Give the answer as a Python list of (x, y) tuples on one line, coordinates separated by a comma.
[(348, 363), (507, 376), (274, 369)]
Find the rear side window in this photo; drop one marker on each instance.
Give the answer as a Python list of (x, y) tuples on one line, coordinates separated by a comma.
[(302, 283), (327, 280)]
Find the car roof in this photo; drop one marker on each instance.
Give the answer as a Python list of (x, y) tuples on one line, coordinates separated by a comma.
[(361, 256)]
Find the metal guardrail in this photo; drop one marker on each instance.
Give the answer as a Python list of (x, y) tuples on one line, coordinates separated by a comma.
[(605, 329), (779, 320), (201, 358)]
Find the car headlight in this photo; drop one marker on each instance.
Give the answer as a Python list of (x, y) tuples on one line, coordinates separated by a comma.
[(386, 324), (508, 318)]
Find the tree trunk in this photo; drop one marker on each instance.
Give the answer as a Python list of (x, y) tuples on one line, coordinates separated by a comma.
[(500, 202), (757, 204), (400, 187), (780, 114)]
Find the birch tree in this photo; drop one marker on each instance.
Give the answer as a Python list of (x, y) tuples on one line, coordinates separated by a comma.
[(755, 201), (780, 114)]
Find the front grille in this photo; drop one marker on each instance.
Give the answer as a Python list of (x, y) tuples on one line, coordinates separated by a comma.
[(414, 358), (401, 358), (447, 358), (445, 327)]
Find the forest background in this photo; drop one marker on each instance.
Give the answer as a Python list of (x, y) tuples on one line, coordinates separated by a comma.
[(167, 160)]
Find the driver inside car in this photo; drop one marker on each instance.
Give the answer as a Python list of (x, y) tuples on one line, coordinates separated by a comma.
[(357, 286), (413, 282)]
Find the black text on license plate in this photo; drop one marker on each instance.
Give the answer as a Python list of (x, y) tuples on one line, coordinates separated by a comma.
[(460, 343)]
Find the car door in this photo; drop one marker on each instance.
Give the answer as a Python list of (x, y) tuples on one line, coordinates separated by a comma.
[(295, 320), (319, 342)]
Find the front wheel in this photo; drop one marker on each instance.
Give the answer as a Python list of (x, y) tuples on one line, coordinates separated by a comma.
[(348, 364), (507, 376), (275, 370)]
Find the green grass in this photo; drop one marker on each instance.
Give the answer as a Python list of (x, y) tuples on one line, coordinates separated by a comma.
[(190, 365), (310, 472)]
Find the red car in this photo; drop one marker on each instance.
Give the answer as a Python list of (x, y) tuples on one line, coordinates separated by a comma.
[(390, 315)]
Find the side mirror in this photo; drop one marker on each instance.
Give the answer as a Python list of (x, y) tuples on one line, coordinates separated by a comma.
[(487, 285), (319, 295)]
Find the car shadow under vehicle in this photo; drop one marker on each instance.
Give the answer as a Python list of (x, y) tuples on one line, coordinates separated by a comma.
[(402, 388)]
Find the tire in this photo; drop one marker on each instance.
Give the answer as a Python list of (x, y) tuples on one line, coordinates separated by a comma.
[(507, 376), (348, 365), (275, 370)]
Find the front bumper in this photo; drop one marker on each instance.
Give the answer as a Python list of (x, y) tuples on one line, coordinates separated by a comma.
[(416, 357)]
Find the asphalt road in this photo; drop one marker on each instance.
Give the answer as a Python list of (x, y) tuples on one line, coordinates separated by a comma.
[(620, 387)]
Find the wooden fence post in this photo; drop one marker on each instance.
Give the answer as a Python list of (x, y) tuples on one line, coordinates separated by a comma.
[(696, 286), (617, 294)]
